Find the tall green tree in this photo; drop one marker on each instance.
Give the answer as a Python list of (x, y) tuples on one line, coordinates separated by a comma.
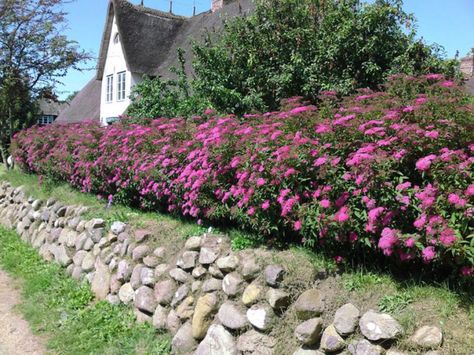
[(301, 47), (34, 53)]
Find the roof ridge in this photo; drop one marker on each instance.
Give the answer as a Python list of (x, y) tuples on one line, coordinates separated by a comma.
[(151, 11)]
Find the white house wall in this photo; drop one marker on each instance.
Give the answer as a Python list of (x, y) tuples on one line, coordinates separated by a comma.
[(115, 63)]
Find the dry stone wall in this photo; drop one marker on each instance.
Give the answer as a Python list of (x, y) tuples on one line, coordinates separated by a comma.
[(212, 300)]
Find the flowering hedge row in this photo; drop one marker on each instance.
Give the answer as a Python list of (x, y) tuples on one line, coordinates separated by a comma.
[(390, 172)]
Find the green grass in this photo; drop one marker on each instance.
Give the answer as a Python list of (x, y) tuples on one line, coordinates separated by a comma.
[(65, 312)]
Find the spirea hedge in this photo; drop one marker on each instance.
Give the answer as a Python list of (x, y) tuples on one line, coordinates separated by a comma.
[(389, 173)]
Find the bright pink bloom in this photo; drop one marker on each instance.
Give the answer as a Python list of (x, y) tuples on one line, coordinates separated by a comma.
[(410, 242), (297, 225), (420, 222), (342, 215), (266, 205), (424, 164), (456, 200), (428, 253), (260, 181), (325, 203), (447, 237)]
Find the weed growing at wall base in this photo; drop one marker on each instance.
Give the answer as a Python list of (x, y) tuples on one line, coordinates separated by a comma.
[(64, 311)]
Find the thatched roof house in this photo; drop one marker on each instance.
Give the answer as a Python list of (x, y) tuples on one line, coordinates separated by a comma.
[(140, 41), (49, 110)]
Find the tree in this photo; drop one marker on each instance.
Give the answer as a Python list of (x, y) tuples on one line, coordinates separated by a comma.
[(34, 54), (301, 47)]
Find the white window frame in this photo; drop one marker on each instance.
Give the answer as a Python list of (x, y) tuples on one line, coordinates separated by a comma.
[(109, 90), (121, 80)]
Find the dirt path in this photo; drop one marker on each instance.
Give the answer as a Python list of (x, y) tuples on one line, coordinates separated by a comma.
[(15, 333)]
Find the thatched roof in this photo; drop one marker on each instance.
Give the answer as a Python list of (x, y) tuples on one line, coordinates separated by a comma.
[(84, 106), (50, 107), (150, 38)]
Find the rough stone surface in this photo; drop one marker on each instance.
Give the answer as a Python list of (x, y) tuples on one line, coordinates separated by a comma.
[(124, 270), (274, 275), (379, 326), (187, 260), (218, 341), (183, 342), (141, 235), (147, 276), (140, 252), (251, 294), (308, 351), (179, 275), (214, 271), (204, 311), (364, 347), (193, 243), (198, 272), (309, 304), (427, 337), (180, 295), (145, 300), (278, 299), (250, 269), (228, 263), (117, 227), (126, 293), (232, 284), (151, 261), (346, 319), (173, 322), (101, 281), (186, 310), (135, 278), (208, 255), (231, 316), (164, 291), (159, 317), (309, 332), (331, 341), (260, 316), (212, 285), (254, 342)]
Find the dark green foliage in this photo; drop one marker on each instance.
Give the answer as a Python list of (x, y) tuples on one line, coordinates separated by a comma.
[(301, 47)]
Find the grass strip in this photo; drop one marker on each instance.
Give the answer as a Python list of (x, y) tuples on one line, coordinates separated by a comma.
[(65, 312)]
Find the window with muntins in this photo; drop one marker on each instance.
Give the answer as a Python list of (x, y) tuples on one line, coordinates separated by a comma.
[(110, 88), (121, 86)]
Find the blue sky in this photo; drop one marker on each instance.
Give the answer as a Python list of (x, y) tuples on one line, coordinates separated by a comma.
[(448, 23)]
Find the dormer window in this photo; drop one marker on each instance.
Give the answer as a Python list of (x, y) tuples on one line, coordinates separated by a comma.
[(116, 38)]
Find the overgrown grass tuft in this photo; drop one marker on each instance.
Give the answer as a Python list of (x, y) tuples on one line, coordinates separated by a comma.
[(64, 310)]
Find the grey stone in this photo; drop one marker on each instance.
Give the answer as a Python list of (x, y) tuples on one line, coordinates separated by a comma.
[(185, 309), (183, 342), (135, 278), (309, 332), (228, 263), (379, 326), (145, 300), (117, 227), (160, 252), (427, 337), (308, 351), (101, 281), (346, 319), (195, 286), (180, 295), (77, 273), (113, 299), (173, 322), (151, 261), (159, 317), (260, 316), (160, 270), (187, 260), (364, 347), (61, 255), (79, 257), (142, 317), (126, 293), (309, 304), (140, 252), (208, 255), (147, 276), (274, 275), (231, 316), (36, 205), (114, 284), (218, 341), (124, 270), (253, 342), (88, 262), (124, 236), (95, 223), (278, 299), (81, 241), (250, 269), (232, 284), (164, 291), (193, 243), (88, 244), (214, 271), (198, 272), (331, 341), (179, 275), (212, 285), (96, 234)]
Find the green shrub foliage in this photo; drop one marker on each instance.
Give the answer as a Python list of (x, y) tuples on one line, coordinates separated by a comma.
[(302, 47)]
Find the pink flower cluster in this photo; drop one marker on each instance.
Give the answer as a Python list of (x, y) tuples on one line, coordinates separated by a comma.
[(383, 171)]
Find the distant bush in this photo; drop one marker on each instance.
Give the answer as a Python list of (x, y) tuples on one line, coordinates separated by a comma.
[(388, 173), (302, 47)]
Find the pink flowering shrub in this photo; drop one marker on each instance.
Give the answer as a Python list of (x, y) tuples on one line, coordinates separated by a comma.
[(387, 172)]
